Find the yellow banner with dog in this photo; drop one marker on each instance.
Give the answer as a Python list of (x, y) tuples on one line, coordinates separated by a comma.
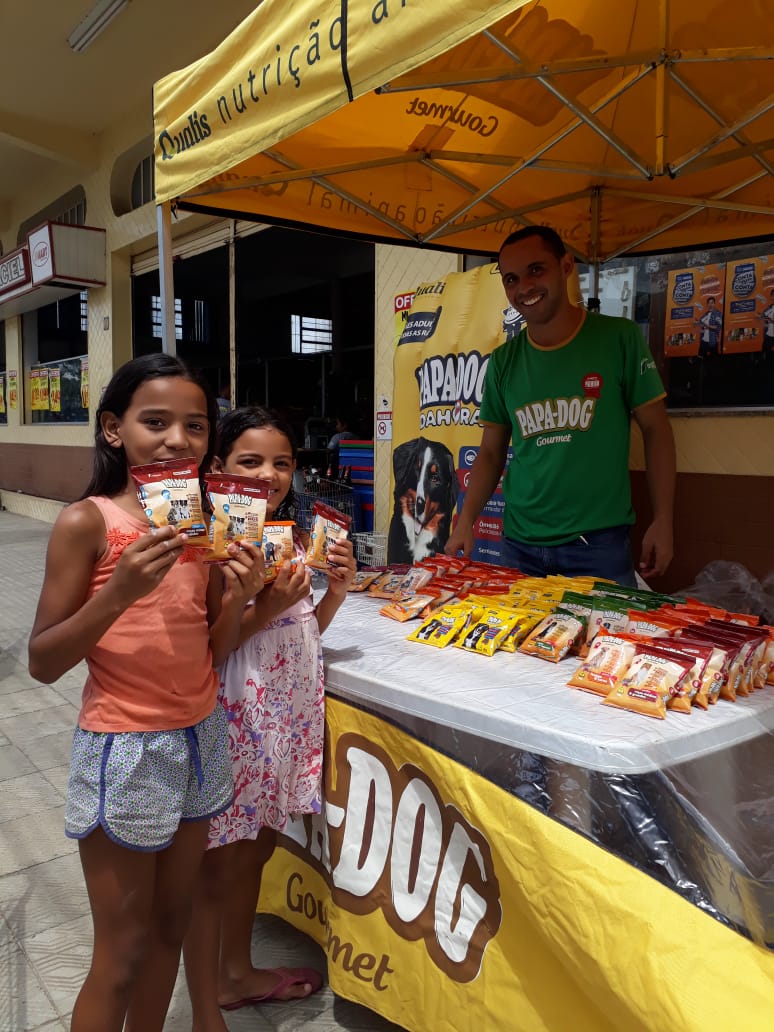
[(441, 355), (443, 902)]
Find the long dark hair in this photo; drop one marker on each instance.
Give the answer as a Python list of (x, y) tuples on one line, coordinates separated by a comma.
[(110, 469), (254, 417)]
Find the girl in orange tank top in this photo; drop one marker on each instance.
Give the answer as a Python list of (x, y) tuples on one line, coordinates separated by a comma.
[(149, 763)]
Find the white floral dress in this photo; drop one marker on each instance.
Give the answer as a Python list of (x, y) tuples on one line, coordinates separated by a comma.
[(272, 690)]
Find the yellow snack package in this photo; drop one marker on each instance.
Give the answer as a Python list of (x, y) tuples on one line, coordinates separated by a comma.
[(440, 629), (170, 494), (525, 622), (328, 525), (554, 636), (238, 512), (608, 660), (278, 547), (486, 634)]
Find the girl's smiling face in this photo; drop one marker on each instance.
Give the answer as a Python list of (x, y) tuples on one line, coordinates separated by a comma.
[(266, 454), (166, 419)]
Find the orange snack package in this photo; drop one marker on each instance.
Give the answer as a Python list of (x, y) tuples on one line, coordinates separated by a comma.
[(407, 607), (554, 636), (170, 494), (608, 660), (654, 675), (365, 577), (388, 583), (328, 525), (278, 547)]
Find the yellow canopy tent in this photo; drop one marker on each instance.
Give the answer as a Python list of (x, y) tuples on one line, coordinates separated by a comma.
[(629, 125)]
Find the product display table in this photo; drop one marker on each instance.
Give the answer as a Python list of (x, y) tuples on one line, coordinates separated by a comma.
[(511, 846)]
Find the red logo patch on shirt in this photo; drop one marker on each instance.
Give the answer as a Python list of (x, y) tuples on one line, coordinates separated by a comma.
[(592, 385)]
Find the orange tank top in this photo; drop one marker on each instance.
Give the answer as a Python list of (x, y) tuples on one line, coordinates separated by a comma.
[(152, 669)]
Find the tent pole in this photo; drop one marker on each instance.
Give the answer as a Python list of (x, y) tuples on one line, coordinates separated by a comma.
[(166, 278), (596, 206), (232, 362)]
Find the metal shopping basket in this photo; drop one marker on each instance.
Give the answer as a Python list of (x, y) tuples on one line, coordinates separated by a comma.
[(370, 549), (332, 492)]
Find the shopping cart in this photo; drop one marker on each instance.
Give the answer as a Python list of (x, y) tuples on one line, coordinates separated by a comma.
[(370, 549), (332, 492)]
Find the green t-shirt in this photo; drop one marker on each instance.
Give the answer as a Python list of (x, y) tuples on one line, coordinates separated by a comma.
[(569, 410)]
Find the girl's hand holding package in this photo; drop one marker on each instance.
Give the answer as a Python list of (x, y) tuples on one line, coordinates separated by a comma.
[(243, 574), (342, 566), (292, 584), (145, 562)]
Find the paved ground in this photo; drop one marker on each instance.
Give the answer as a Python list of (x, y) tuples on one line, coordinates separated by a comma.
[(45, 928)]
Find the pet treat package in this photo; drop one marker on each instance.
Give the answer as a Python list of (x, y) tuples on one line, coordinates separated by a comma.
[(655, 675), (607, 661), (328, 525), (277, 546), (365, 577), (170, 495), (238, 512), (554, 636), (487, 634), (442, 627)]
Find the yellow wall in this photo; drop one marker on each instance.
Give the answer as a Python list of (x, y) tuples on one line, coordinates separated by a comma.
[(735, 445)]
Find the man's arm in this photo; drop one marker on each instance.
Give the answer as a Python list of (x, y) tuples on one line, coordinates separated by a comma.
[(660, 465), (484, 476)]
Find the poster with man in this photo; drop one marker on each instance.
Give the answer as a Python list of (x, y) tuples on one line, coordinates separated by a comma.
[(694, 316), (750, 297)]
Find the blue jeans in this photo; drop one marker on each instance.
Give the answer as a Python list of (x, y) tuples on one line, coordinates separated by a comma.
[(597, 553)]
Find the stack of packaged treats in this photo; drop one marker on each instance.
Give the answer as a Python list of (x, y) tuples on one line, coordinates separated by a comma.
[(679, 656), (640, 650)]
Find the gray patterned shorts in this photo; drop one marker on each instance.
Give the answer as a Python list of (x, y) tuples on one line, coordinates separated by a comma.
[(139, 785)]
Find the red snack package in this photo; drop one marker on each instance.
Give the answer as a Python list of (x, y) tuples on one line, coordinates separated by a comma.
[(169, 493), (238, 512)]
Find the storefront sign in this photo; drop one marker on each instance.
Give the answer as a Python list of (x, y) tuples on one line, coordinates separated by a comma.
[(14, 271), (55, 389), (2, 394), (13, 389), (39, 390), (85, 383)]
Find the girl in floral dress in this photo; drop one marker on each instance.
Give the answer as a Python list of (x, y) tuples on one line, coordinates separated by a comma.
[(272, 689)]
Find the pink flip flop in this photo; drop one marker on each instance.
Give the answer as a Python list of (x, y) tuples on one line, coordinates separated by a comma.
[(287, 977)]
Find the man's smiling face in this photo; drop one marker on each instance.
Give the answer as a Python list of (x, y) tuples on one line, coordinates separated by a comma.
[(535, 280)]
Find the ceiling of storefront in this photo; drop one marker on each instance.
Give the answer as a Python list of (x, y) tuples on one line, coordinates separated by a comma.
[(55, 103)]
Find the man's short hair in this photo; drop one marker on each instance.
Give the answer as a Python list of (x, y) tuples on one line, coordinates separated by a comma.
[(549, 236)]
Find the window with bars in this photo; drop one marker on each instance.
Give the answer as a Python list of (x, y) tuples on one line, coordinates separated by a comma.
[(156, 317), (143, 183), (310, 336)]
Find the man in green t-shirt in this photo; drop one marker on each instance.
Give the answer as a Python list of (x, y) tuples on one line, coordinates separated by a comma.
[(562, 393)]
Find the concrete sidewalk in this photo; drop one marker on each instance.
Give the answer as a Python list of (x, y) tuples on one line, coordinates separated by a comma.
[(45, 927)]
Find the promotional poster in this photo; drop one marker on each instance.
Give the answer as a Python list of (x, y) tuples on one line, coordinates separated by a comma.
[(749, 321), (441, 356), (694, 315)]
